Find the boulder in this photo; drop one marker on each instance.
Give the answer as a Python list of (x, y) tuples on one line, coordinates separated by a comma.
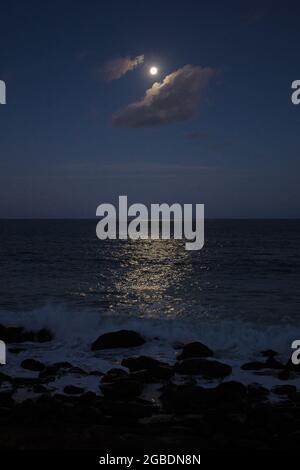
[(152, 368), (114, 374), (126, 411), (53, 369), (38, 388), (186, 398), (16, 350), (118, 339), (284, 374), (232, 390), (269, 353), (207, 368), (13, 334), (272, 363), (32, 364), (257, 391), (73, 390), (255, 365), (292, 367), (284, 390), (195, 349), (123, 388)]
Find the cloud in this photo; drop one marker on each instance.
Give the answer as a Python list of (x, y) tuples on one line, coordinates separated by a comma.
[(116, 68), (176, 98)]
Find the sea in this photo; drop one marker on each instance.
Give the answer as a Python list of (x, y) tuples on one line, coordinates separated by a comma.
[(239, 295)]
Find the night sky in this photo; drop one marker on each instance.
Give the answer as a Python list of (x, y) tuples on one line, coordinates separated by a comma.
[(78, 130)]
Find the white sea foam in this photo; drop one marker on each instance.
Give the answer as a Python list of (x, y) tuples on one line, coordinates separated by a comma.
[(233, 341)]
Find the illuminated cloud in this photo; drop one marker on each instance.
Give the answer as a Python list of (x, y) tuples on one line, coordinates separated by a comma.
[(176, 98), (116, 68)]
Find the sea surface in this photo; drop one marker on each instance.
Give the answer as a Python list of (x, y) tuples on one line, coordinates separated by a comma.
[(239, 294)]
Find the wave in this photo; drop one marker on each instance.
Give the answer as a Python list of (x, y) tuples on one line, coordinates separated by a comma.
[(233, 339)]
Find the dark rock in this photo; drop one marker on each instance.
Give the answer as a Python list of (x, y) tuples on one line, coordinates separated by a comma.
[(195, 349), (269, 353), (53, 369), (254, 366), (186, 398), (123, 388), (284, 390), (146, 376), (5, 377), (257, 392), (96, 373), (231, 390), (272, 363), (118, 339), (206, 368), (73, 390), (153, 369), (126, 411), (114, 374), (43, 336), (16, 350), (38, 388), (12, 334), (141, 363), (32, 364), (292, 367), (284, 374), (76, 370)]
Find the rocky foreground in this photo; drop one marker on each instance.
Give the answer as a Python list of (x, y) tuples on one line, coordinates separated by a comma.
[(182, 416)]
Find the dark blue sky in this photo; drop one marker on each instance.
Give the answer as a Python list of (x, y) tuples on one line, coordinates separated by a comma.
[(60, 155)]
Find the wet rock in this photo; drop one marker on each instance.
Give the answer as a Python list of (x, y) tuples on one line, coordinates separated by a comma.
[(207, 368), (53, 369), (4, 377), (16, 350), (114, 374), (186, 398), (32, 364), (269, 353), (43, 336), (39, 388), (255, 365), (141, 362), (118, 339), (12, 334), (195, 349), (284, 374), (272, 363), (153, 369), (126, 411), (257, 391), (75, 370), (288, 390), (73, 390), (96, 373), (292, 367), (123, 388), (231, 391)]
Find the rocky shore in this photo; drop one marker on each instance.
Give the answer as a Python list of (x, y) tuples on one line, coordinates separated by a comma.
[(144, 403)]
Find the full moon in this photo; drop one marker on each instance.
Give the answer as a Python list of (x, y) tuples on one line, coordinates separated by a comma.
[(153, 70)]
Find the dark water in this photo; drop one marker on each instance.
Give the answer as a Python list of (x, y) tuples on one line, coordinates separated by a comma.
[(248, 269), (240, 294)]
